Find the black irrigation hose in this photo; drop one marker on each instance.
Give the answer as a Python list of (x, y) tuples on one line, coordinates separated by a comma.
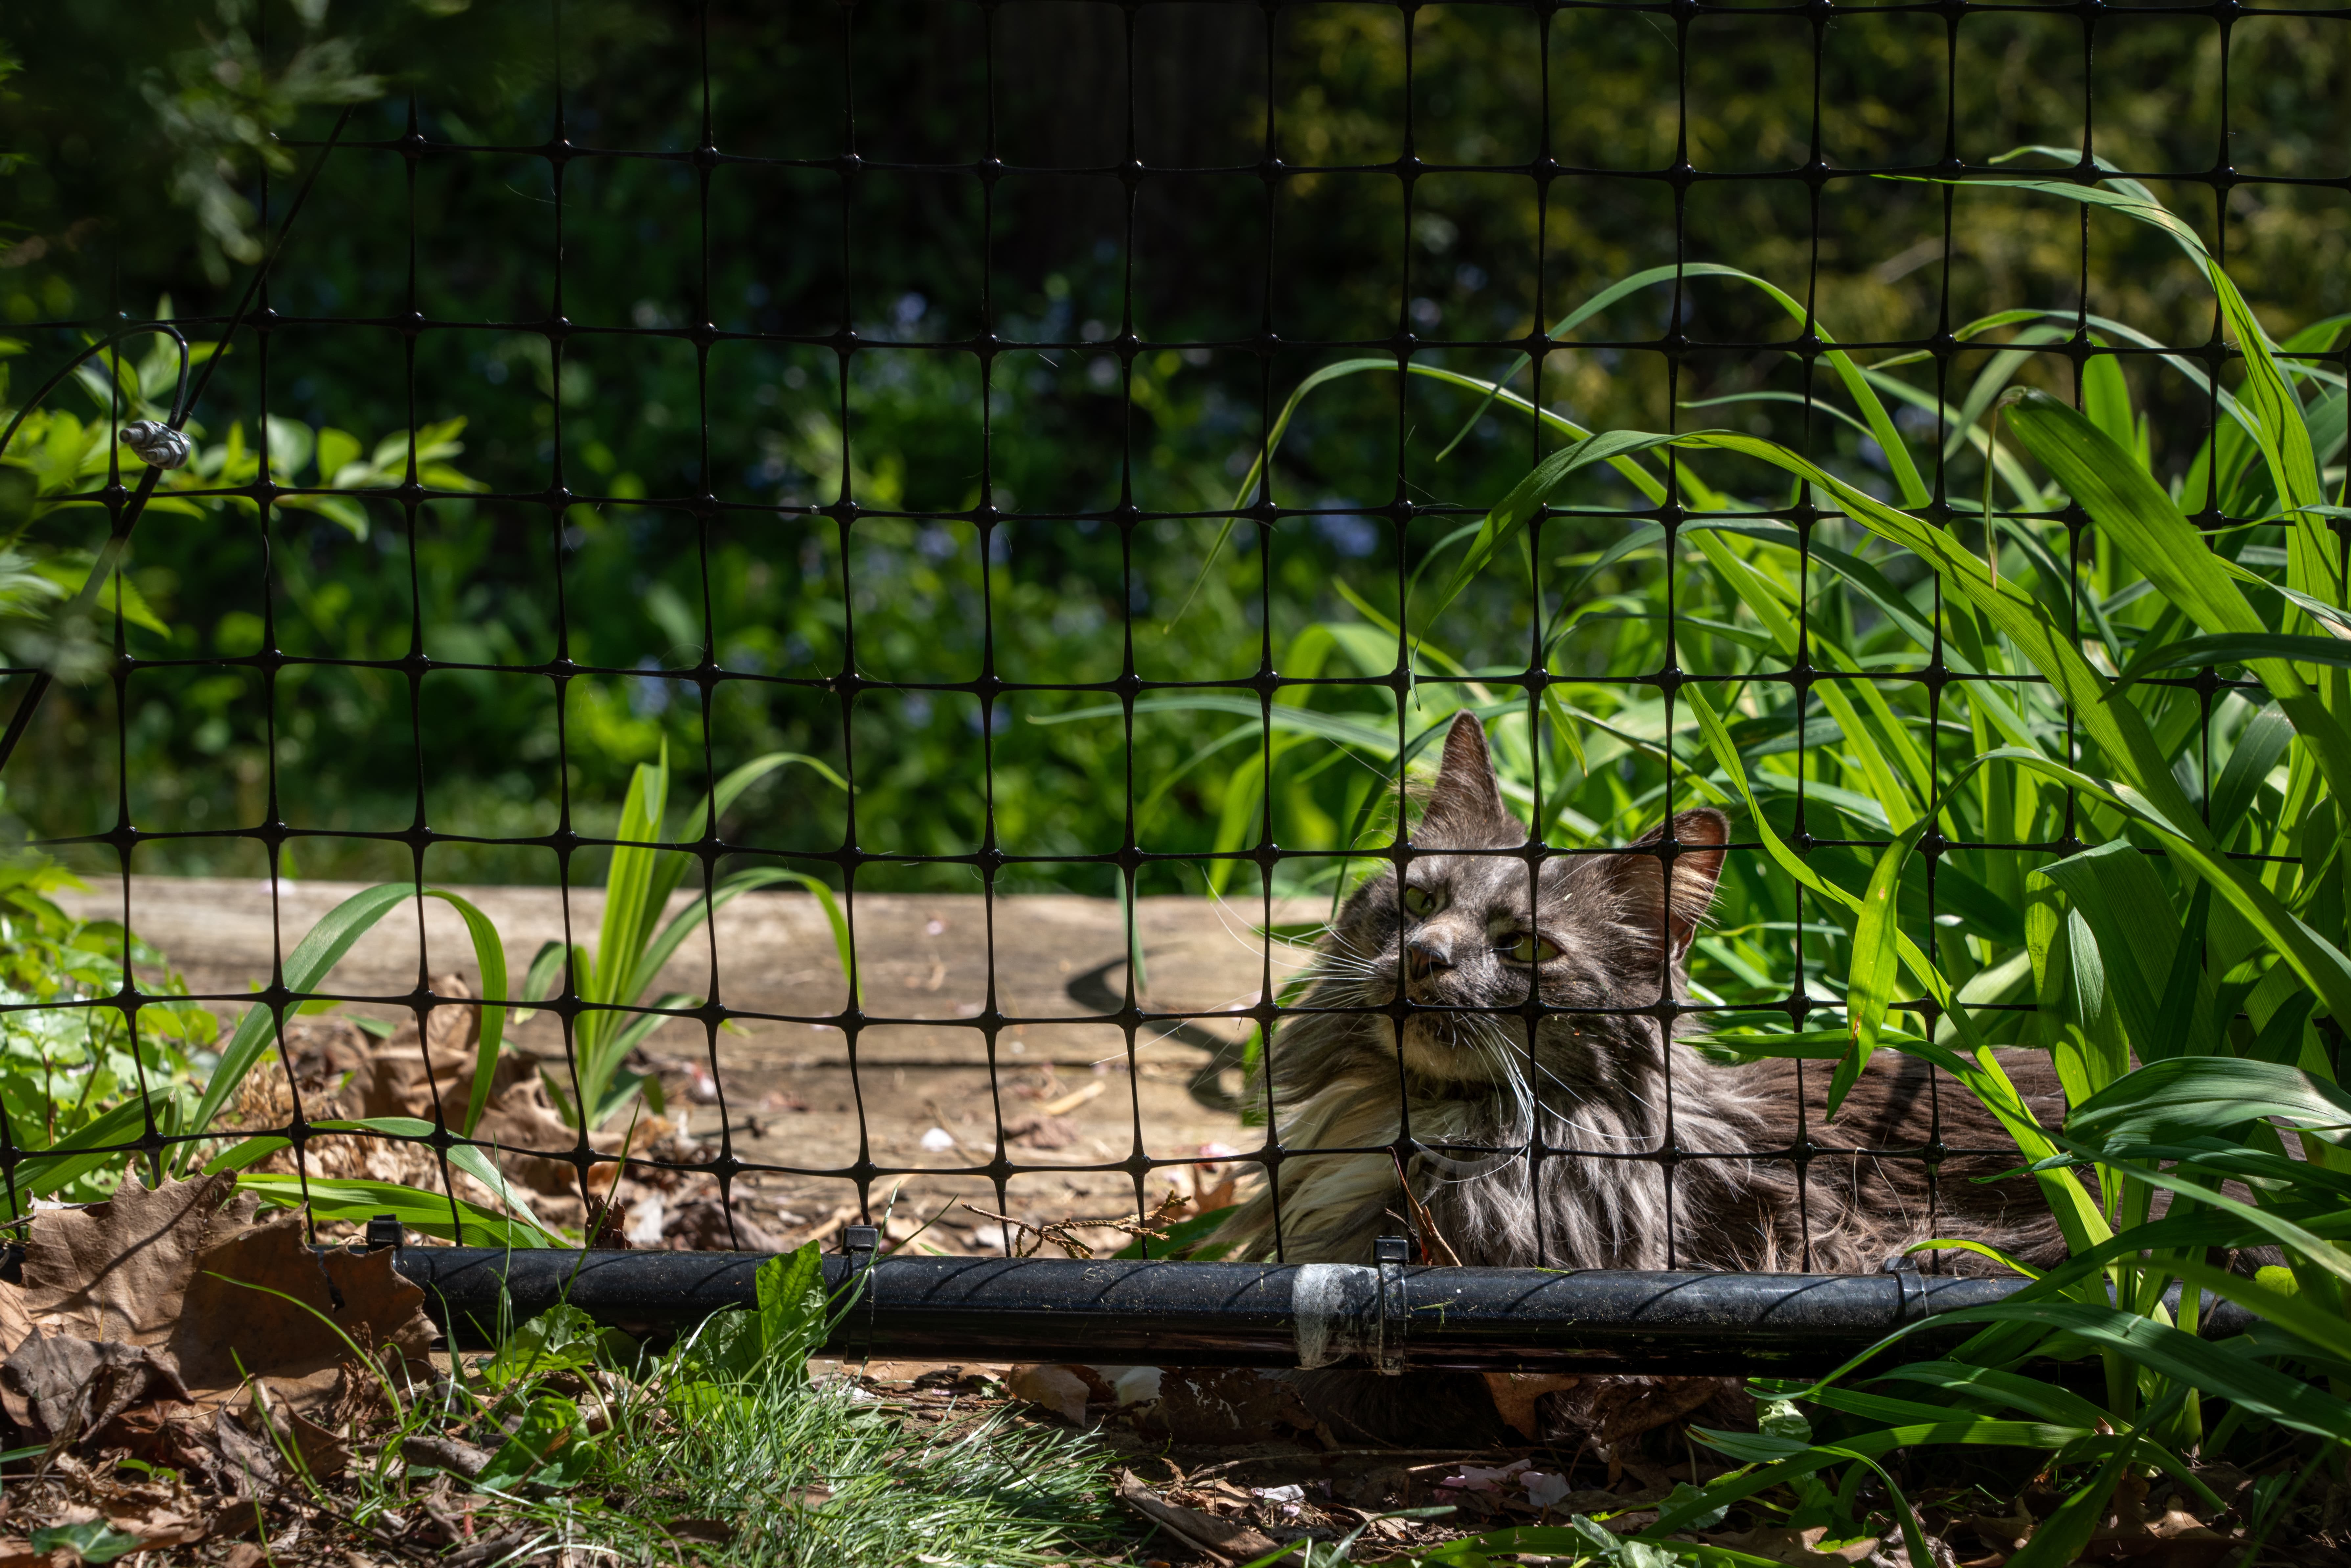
[(1248, 1315)]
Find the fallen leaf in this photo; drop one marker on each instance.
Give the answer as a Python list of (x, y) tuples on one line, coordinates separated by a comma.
[(239, 1518), (261, 1304), (1066, 1390), (712, 1531), (119, 1270), (182, 1272), (444, 1453), (1515, 1394), (323, 1454), (1809, 1548), (2176, 1540), (244, 1554), (406, 1076), (245, 1465), (1225, 1405), (16, 1551), (159, 1526), (62, 1390), (15, 1317), (2004, 1533), (699, 1224), (2177, 1522), (250, 1452), (1221, 1539), (168, 1435)]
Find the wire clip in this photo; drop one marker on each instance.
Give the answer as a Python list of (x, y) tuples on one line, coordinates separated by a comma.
[(863, 1244), (157, 444), (1391, 1253)]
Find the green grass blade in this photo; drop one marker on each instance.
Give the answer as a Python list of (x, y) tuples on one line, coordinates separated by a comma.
[(2273, 412), (2180, 1356), (359, 1201), (843, 948), (321, 949), (731, 787), (1874, 967), (54, 1166), (2165, 1100), (2130, 508), (629, 880), (490, 956), (1510, 516)]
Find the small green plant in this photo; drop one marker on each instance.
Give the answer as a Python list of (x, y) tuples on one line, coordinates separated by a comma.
[(724, 1444), (634, 941), (73, 1072), (57, 594)]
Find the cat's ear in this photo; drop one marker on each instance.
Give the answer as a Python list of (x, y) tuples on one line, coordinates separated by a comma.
[(1465, 808), (1667, 888)]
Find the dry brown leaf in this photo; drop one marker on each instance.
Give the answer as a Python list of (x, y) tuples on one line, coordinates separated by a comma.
[(324, 1455), (699, 1224), (1612, 1411), (1063, 1390), (261, 1304), (119, 1270), (444, 1453), (175, 1294), (2176, 1540), (16, 1551), (408, 1077), (241, 1517), (2178, 1523), (1804, 1548), (1221, 1539), (159, 1525), (1515, 1394), (15, 1317), (61, 1390), (2005, 1533), (246, 1465), (1225, 1405)]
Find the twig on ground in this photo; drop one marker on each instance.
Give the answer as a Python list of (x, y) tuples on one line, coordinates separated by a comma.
[(1062, 1233)]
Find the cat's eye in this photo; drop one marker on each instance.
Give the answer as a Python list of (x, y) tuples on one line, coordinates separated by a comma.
[(1419, 903), (1530, 948)]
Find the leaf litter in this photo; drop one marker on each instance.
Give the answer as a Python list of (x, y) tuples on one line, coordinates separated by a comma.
[(184, 1376)]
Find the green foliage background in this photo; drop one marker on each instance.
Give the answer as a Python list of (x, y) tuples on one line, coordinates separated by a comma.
[(115, 211)]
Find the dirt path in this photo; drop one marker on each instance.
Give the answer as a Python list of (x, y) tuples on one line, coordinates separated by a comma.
[(920, 1095)]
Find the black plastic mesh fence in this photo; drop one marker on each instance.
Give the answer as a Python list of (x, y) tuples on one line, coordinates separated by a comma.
[(1097, 200)]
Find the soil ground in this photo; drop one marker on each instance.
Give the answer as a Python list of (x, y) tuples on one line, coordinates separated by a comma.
[(918, 1096)]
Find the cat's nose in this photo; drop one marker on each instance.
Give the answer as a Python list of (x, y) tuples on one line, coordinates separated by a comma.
[(1426, 954)]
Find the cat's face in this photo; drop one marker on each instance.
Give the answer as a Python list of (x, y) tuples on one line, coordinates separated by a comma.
[(1462, 935)]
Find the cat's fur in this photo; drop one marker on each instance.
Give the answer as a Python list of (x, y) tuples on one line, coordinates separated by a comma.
[(1598, 1086)]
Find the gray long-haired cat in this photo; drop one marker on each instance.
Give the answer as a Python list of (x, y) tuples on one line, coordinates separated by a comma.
[(1414, 1036)]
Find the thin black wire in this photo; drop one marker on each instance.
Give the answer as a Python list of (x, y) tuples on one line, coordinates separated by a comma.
[(1263, 519)]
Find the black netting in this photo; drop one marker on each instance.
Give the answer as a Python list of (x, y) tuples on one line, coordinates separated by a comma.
[(1042, 218)]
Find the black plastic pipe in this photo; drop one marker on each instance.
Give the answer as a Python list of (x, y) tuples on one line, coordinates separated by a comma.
[(1388, 1316)]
